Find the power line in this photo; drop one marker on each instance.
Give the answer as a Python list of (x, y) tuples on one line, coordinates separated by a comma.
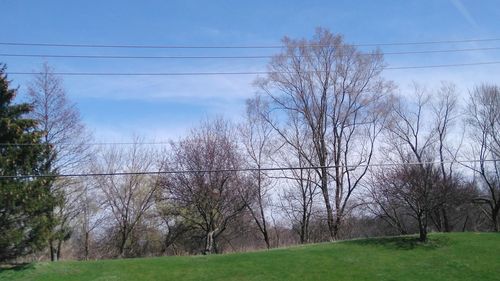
[(230, 57), (243, 169), (85, 144), (437, 42), (114, 143), (235, 73), (137, 46), (134, 57), (109, 143), (443, 65)]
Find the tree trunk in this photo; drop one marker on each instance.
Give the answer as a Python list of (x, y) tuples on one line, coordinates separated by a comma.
[(265, 233), (494, 218), (122, 244), (422, 228), (336, 226), (465, 223), (266, 239), (86, 246), (209, 242), (437, 219), (326, 197), (52, 251), (262, 215), (59, 246), (303, 229), (446, 221)]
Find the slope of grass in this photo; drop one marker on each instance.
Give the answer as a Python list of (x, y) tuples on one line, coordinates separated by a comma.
[(457, 256)]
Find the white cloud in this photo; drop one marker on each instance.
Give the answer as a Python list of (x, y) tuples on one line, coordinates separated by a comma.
[(464, 77)]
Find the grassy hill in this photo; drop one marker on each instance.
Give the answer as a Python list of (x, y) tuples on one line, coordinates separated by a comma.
[(456, 256)]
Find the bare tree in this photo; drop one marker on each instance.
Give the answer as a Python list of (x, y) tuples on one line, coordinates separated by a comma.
[(298, 199), (444, 111), (455, 191), (483, 116), (210, 198), (335, 92), (417, 187), (66, 135), (128, 197), (419, 132), (381, 202), (256, 137), (89, 218), (60, 119), (412, 190), (413, 142)]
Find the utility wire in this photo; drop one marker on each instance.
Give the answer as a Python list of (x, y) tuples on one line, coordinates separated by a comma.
[(443, 65), (231, 57), (241, 169), (37, 44), (84, 144), (118, 143), (236, 73)]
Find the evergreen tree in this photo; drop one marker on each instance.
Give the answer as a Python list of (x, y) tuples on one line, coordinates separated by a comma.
[(25, 202)]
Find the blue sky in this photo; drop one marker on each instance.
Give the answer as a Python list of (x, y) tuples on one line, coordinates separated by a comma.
[(114, 108)]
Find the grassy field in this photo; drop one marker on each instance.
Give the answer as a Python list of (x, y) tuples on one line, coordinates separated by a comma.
[(457, 256)]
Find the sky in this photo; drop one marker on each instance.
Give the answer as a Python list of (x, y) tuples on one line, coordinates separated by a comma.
[(159, 108)]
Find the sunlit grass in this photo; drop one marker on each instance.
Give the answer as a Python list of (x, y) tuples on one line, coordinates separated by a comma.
[(456, 256)]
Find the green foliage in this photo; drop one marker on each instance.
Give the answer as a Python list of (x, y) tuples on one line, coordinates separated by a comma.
[(25, 203), (453, 256)]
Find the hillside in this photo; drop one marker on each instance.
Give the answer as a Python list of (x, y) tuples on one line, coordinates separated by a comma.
[(457, 256)]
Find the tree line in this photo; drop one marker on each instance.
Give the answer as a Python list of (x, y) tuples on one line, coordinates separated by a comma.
[(355, 156)]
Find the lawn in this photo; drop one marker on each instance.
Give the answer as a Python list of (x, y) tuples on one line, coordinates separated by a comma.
[(456, 256)]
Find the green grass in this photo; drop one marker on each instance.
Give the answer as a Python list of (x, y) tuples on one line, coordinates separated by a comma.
[(456, 256)]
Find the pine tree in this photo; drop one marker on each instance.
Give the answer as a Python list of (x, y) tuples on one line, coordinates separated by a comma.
[(25, 202)]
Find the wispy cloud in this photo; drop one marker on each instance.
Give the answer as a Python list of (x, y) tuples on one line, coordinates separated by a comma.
[(152, 88), (465, 12), (465, 78), (211, 31)]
